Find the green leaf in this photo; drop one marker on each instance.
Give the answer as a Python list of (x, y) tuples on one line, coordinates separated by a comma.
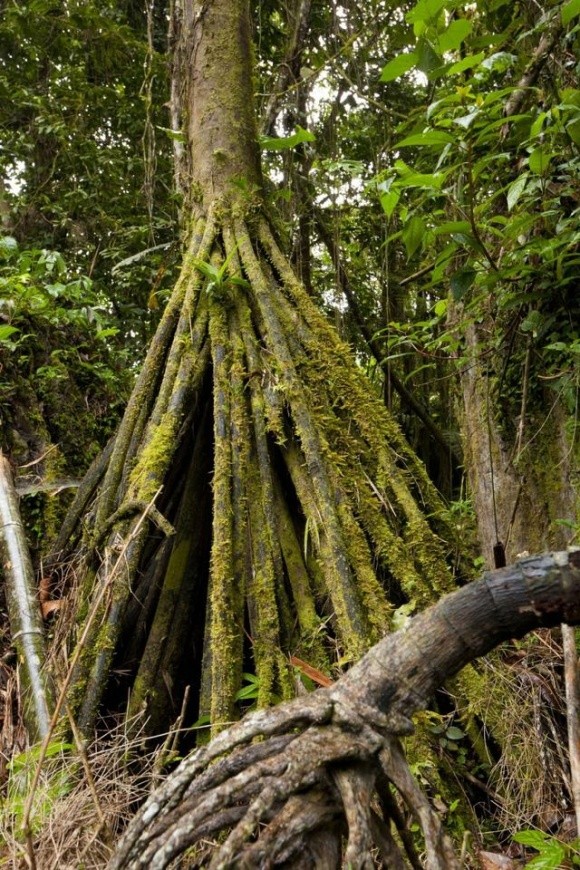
[(535, 839), (452, 227), (6, 331), (274, 143), (454, 733), (466, 63), (413, 233), (516, 189), (428, 61), (551, 857), (466, 121), (239, 282), (532, 322), (403, 613), (461, 281), (398, 66), (430, 181), (569, 11), (539, 161), (175, 135), (389, 201), (440, 307), (208, 270), (455, 34), (573, 130), (427, 137), (8, 244), (425, 11)]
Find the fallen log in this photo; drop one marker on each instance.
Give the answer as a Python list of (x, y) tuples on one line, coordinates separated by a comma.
[(302, 795)]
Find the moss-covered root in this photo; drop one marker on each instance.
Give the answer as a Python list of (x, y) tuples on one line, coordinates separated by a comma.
[(222, 659), (128, 538), (180, 592), (147, 385)]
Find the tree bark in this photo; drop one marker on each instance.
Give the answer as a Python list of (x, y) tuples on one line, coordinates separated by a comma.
[(219, 122)]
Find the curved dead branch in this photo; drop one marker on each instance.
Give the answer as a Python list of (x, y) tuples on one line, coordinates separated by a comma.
[(321, 764)]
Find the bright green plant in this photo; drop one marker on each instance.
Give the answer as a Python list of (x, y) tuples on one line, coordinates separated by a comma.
[(56, 781), (553, 854)]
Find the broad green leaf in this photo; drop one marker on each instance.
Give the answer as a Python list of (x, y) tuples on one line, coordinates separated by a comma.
[(398, 66), (425, 11), (449, 100), (455, 34), (454, 733), (389, 201), (573, 130), (466, 63), (428, 61), (413, 233), (539, 161), (6, 331), (466, 121), (570, 97), (430, 181), (107, 333), (440, 307), (499, 62), (516, 189), (274, 143), (569, 11), (488, 132), (402, 168), (552, 857), (427, 137), (461, 281), (536, 127)]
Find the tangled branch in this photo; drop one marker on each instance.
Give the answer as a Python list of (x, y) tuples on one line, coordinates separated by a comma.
[(325, 769)]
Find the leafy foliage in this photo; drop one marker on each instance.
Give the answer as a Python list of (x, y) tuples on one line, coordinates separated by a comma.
[(57, 347), (75, 158), (490, 206)]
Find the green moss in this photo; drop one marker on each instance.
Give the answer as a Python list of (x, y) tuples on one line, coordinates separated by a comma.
[(153, 461)]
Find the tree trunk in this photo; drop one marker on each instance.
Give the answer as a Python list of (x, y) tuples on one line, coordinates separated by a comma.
[(218, 104), (319, 520), (525, 498)]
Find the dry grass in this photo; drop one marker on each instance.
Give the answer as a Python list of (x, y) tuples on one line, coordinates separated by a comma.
[(75, 822), (532, 774), (80, 804)]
